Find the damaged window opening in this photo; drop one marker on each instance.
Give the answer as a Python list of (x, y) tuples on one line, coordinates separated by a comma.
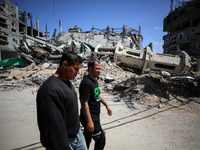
[(13, 15), (164, 66), (2, 4), (182, 11), (132, 53), (3, 23), (13, 27), (173, 39), (3, 40), (21, 16), (106, 49), (15, 41), (175, 17), (180, 36), (22, 28), (2, 20)]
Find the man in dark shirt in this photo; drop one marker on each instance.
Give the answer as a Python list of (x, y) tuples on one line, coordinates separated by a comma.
[(57, 108), (91, 100)]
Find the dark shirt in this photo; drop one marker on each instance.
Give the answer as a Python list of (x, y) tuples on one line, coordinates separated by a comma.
[(89, 90), (57, 113)]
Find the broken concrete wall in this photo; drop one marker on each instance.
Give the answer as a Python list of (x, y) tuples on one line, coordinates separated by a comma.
[(93, 39), (12, 27), (103, 51), (145, 58), (182, 27), (173, 63), (134, 58), (129, 57)]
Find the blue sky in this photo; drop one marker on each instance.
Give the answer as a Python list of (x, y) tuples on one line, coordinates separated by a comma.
[(149, 14)]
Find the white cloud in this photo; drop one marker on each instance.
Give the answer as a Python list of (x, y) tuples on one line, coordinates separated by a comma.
[(157, 43), (157, 28)]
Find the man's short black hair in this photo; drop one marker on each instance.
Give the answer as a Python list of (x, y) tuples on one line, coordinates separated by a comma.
[(92, 62), (70, 57)]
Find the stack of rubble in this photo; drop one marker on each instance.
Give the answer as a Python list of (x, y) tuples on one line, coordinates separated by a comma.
[(153, 88), (150, 87)]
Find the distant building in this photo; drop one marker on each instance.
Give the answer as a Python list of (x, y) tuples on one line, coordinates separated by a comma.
[(13, 26), (183, 29)]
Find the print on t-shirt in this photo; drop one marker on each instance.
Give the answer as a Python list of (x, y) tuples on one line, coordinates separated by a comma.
[(97, 93)]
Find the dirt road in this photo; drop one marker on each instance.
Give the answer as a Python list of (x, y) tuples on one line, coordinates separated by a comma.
[(132, 126)]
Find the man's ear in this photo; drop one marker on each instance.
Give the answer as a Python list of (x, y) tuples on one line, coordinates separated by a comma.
[(89, 69), (65, 64)]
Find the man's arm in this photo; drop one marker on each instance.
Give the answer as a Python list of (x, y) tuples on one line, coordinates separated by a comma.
[(51, 123), (106, 105), (86, 111)]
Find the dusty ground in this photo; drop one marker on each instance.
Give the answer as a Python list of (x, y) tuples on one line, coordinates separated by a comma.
[(132, 126), (150, 112)]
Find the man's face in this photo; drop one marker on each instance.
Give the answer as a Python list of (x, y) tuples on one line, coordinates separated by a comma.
[(96, 70), (73, 70)]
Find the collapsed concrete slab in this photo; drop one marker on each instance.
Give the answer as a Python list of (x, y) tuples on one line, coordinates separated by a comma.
[(45, 43), (145, 58), (107, 37), (102, 51), (129, 57), (173, 63)]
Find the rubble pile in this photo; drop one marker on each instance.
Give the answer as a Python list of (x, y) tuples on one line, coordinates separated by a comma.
[(151, 88), (128, 83)]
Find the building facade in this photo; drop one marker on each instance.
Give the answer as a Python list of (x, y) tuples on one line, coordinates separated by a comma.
[(183, 29), (13, 25)]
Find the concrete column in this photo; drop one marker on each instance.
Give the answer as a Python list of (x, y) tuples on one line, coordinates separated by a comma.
[(31, 25), (60, 26), (16, 12), (54, 33), (46, 32), (171, 9), (139, 30), (38, 30), (17, 23), (25, 20)]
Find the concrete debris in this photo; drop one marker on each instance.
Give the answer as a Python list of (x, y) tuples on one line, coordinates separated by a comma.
[(108, 79), (129, 72), (75, 29), (185, 79), (178, 38), (144, 59), (96, 45), (150, 88)]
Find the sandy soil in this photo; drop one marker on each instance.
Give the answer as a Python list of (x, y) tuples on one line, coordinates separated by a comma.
[(132, 126)]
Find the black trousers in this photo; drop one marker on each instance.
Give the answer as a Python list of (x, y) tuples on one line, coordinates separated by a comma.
[(98, 135)]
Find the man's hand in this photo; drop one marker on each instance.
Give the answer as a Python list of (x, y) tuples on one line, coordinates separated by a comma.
[(106, 105), (109, 111), (90, 126), (86, 111)]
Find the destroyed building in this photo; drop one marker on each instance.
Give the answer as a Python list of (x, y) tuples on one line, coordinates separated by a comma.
[(121, 45), (125, 49), (182, 25), (118, 49), (106, 37), (13, 26)]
